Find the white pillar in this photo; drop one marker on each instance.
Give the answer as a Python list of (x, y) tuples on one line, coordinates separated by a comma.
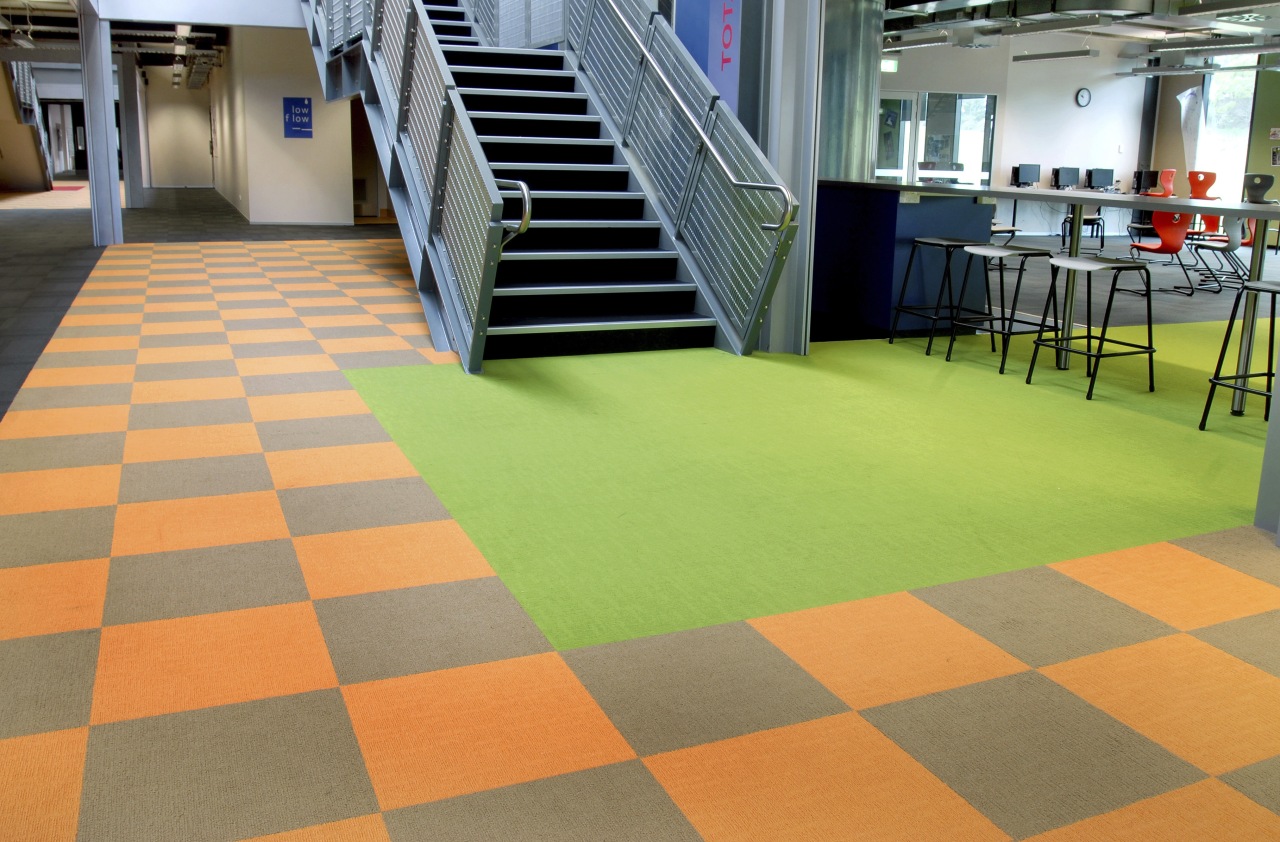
[(99, 108)]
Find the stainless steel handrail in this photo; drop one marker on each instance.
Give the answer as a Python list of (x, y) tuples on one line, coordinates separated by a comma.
[(789, 200), (526, 215)]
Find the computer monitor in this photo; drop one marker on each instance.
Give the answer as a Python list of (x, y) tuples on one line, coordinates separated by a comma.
[(1144, 180), (1026, 175), (1066, 178), (1099, 179)]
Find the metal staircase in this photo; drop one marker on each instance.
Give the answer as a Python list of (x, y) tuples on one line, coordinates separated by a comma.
[(532, 227)]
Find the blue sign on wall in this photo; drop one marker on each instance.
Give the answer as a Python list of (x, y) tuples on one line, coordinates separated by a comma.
[(297, 116)]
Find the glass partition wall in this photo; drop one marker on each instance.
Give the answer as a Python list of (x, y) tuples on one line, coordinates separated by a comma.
[(935, 137)]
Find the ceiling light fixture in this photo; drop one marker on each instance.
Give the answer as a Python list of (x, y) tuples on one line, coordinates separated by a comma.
[(1050, 25), (1200, 44), (1065, 54), (933, 41)]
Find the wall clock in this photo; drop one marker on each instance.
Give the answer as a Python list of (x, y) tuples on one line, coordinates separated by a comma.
[(1083, 97)]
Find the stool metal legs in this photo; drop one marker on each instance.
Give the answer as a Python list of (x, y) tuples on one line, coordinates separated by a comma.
[(1240, 382), (1007, 317), (945, 291)]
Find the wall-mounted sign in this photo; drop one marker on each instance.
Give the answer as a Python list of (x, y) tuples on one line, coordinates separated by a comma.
[(297, 116), (723, 50)]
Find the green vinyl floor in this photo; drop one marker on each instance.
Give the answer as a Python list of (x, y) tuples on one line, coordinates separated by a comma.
[(627, 495)]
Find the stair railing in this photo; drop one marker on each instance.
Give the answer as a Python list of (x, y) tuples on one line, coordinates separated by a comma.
[(728, 205), (457, 207), (24, 87)]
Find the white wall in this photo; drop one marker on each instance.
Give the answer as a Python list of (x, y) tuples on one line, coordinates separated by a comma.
[(1037, 120), (178, 133), (271, 179)]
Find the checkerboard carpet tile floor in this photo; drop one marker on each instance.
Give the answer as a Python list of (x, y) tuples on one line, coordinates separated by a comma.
[(229, 609)]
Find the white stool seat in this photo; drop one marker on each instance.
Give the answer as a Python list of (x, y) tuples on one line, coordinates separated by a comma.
[(946, 242), (1007, 251), (1095, 264)]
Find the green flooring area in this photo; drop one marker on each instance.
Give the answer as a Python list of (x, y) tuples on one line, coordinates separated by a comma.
[(620, 496)]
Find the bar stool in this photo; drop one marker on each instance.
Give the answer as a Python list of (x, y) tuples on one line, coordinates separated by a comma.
[(938, 312), (1063, 337), (987, 319), (1240, 382)]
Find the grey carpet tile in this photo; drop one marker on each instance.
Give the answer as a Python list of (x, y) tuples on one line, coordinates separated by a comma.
[(256, 350), (360, 505), (401, 632), (182, 340), (621, 802), (47, 682), (1261, 782), (161, 586), (154, 416), (263, 324), (76, 451), (225, 773), (1254, 640), (89, 331), (345, 310), (377, 359), (1246, 548), (49, 537), (180, 478), (1047, 758), (184, 371), (292, 384), (351, 332), (1041, 616), (180, 316), (687, 688), (76, 359), (69, 397), (320, 432)]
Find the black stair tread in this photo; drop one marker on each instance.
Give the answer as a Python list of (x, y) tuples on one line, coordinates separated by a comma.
[(477, 114), (516, 71), (646, 322), (458, 40), (546, 141), (446, 14), (603, 224), (552, 166), (591, 254), (497, 51), (440, 7), (521, 92), (587, 288), (585, 195)]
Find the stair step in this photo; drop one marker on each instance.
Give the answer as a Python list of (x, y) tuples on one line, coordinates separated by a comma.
[(540, 268), (452, 30), (586, 254), (585, 305), (653, 322), (596, 289), (567, 204), (559, 235), (523, 102), (505, 124), (504, 150), (567, 177), (457, 41), (490, 57), (443, 14), (517, 79)]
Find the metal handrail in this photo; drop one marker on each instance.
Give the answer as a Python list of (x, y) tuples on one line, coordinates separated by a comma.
[(789, 199), (526, 215)]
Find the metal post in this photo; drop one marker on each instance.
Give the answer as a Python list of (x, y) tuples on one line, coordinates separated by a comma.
[(1069, 294), (99, 108), (636, 81), (406, 71), (1249, 320), (131, 132)]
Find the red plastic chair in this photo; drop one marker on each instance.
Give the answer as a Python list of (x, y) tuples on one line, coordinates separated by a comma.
[(1201, 181), (1171, 227)]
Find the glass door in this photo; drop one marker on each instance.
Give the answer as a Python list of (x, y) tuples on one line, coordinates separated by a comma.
[(895, 136)]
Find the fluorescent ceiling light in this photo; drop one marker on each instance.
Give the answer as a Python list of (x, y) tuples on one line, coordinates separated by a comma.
[(1200, 44), (23, 39), (183, 31), (1056, 56), (1051, 25), (1213, 7), (888, 65), (1255, 49), (933, 41)]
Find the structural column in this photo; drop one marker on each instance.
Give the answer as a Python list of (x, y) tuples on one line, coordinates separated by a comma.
[(853, 32), (100, 127), (131, 131)]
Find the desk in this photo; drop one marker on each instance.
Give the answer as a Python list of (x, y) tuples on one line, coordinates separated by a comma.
[(1077, 199)]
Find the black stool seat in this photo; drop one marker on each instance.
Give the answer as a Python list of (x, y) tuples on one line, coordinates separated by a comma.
[(1003, 321), (1064, 338), (1240, 382), (945, 305)]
